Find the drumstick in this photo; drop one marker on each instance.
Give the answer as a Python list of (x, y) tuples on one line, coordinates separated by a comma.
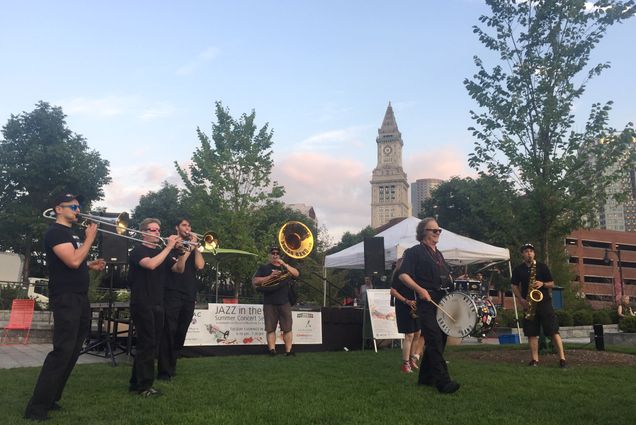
[(443, 311)]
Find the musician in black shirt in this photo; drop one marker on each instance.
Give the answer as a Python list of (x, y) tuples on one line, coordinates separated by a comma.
[(149, 266), (424, 270), (68, 290), (544, 315), (179, 300), (276, 305)]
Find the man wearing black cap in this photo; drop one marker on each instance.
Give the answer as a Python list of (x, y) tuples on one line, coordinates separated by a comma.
[(544, 315), (276, 305), (68, 289)]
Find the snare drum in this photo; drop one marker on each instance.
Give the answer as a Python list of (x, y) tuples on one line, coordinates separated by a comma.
[(472, 315)]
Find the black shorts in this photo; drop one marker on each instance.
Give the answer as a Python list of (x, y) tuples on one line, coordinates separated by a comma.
[(405, 323), (545, 317)]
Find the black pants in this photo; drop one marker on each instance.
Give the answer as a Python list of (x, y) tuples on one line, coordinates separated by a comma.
[(433, 369), (71, 323), (178, 316), (148, 321)]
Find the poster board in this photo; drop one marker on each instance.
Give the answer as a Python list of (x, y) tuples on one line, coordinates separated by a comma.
[(243, 324), (382, 314)]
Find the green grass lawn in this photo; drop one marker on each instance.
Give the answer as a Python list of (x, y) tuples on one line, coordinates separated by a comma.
[(336, 388)]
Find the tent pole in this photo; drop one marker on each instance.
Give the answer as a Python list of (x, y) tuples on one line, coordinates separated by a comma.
[(514, 303)]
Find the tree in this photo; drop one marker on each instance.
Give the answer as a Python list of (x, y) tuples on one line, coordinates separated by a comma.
[(228, 187), (165, 204), (526, 132), (40, 157)]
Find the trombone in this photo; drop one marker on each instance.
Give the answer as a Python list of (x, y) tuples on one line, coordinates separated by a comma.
[(120, 223), (207, 242)]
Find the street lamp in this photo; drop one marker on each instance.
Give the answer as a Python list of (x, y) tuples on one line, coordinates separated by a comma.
[(607, 261)]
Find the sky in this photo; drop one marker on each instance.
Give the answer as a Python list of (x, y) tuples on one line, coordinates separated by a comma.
[(137, 78)]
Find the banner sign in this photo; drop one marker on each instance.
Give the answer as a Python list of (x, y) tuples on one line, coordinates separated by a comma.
[(243, 324), (382, 313)]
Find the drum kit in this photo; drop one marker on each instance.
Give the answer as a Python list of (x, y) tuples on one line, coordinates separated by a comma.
[(466, 310)]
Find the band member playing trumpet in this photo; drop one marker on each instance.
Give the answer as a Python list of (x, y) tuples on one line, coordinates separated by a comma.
[(406, 316), (68, 288), (276, 305), (179, 300), (531, 284), (424, 270), (149, 267)]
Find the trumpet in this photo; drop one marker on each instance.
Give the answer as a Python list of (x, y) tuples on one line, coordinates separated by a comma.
[(120, 223)]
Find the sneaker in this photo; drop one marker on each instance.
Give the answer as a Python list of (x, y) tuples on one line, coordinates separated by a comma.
[(150, 392), (406, 367), (533, 363), (562, 364), (413, 362), (290, 354), (272, 353)]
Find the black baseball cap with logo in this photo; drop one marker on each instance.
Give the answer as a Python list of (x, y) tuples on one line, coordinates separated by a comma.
[(526, 246), (66, 197), (274, 249)]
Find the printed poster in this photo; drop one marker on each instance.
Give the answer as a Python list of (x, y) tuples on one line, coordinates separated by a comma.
[(382, 314), (243, 324)]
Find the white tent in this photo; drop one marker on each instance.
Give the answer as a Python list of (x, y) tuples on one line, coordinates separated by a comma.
[(457, 250)]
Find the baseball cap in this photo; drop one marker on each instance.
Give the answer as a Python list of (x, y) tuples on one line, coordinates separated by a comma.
[(526, 246), (66, 197)]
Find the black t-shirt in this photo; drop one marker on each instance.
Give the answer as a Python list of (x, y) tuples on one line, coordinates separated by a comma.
[(146, 286), (63, 279), (184, 284), (277, 294), (399, 286), (521, 277), (427, 268)]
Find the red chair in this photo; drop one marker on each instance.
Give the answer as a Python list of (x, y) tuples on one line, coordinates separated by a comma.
[(20, 320), (230, 300)]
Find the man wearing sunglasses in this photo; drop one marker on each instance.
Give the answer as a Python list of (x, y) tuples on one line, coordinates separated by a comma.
[(150, 264), (424, 270), (68, 289), (276, 304)]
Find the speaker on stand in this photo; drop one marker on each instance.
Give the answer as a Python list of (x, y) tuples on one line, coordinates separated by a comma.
[(114, 250)]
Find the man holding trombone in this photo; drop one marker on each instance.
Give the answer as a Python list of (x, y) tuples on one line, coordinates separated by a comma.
[(68, 288), (150, 264), (179, 300)]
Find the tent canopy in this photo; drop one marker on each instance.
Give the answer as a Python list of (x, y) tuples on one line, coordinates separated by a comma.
[(457, 250)]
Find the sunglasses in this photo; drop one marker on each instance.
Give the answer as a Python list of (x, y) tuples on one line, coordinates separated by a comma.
[(275, 253), (436, 231), (72, 207)]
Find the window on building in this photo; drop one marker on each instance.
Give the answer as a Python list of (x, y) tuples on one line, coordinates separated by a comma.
[(598, 279), (596, 244), (594, 261), (569, 241)]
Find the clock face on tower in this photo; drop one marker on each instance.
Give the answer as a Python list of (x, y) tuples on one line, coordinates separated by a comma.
[(387, 150)]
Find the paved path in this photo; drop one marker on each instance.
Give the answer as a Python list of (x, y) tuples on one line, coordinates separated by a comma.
[(33, 355)]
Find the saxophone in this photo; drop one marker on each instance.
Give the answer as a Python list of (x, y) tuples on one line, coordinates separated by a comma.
[(534, 295)]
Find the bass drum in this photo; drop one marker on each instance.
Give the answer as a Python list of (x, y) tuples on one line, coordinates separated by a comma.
[(472, 315)]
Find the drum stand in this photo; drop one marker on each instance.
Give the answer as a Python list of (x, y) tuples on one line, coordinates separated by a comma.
[(108, 339)]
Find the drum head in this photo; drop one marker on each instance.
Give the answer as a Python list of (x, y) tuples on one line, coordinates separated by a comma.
[(463, 310)]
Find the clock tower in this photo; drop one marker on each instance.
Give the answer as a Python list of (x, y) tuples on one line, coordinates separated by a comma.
[(389, 188)]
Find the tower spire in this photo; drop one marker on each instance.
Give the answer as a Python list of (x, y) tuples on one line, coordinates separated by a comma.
[(389, 125)]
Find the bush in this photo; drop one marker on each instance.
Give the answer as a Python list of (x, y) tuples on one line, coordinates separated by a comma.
[(628, 324), (565, 318), (582, 317), (506, 318), (601, 317), (8, 293)]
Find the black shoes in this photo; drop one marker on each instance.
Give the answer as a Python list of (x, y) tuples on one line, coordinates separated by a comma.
[(272, 353), (32, 416), (55, 406), (533, 363), (290, 354), (164, 377), (562, 364), (449, 388)]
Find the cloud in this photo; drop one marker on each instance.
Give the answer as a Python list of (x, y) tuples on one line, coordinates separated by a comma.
[(129, 183), (114, 106), (201, 59), (442, 163), (338, 189), (334, 139)]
